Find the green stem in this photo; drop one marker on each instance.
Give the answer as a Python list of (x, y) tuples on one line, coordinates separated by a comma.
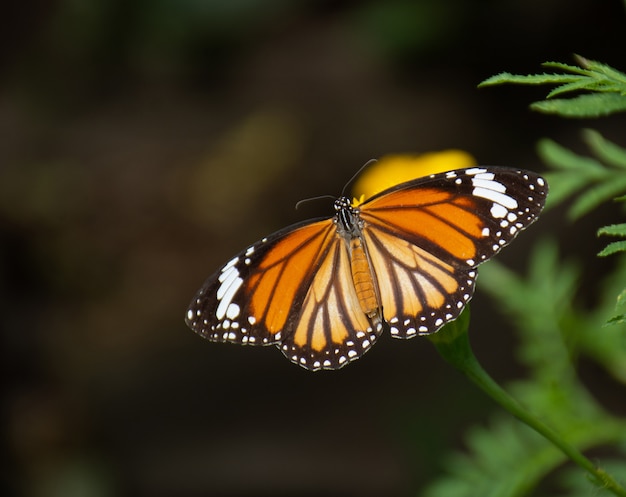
[(479, 376), (454, 346)]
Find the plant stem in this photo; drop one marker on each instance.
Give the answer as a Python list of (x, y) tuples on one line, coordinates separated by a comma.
[(456, 349), (480, 377)]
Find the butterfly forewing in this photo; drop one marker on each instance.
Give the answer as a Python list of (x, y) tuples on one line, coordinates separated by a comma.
[(426, 237), (254, 297)]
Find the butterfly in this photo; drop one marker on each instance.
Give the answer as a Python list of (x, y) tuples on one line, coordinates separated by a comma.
[(405, 261)]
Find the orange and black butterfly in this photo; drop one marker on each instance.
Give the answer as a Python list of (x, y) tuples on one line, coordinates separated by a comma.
[(405, 260)]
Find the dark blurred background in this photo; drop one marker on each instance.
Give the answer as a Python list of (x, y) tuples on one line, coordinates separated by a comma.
[(143, 143)]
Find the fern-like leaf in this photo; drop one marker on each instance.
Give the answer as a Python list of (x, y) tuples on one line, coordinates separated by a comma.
[(605, 85), (583, 106), (607, 151), (613, 247), (613, 230), (601, 177), (507, 459)]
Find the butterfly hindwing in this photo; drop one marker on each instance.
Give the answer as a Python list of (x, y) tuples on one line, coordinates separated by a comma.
[(330, 330), (419, 292)]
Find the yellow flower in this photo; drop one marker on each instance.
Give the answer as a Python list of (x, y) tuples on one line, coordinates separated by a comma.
[(391, 170)]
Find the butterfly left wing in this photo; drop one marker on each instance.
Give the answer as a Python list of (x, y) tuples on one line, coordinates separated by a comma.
[(291, 289), (426, 237)]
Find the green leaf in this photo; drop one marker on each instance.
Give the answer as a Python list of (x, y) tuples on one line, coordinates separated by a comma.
[(607, 87), (505, 459), (589, 105), (601, 68), (605, 345), (562, 186), (607, 151), (577, 84), (613, 230), (601, 179), (613, 248), (547, 289), (560, 157), (596, 195), (566, 67), (619, 319), (533, 79)]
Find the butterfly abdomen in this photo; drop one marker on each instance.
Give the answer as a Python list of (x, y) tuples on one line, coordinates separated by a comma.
[(362, 278)]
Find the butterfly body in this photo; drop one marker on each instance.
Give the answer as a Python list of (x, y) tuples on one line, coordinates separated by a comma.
[(405, 260), (349, 227)]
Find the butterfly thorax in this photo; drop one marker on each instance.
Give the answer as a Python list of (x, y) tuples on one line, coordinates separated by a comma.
[(347, 219)]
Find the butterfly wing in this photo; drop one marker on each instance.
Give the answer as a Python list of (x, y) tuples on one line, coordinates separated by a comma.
[(292, 289), (426, 237)]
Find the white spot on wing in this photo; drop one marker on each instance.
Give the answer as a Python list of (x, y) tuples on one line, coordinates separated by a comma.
[(233, 311), (226, 292), (497, 197), (498, 211), (226, 278), (475, 170), (485, 176), (230, 264)]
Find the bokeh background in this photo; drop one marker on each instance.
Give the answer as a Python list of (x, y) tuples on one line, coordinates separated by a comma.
[(142, 143)]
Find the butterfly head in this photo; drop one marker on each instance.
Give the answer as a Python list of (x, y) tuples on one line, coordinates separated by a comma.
[(347, 218), (342, 203)]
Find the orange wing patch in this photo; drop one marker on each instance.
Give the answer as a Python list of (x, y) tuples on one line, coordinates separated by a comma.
[(282, 273), (427, 228)]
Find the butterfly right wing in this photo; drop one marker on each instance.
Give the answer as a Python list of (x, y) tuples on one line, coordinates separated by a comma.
[(427, 237)]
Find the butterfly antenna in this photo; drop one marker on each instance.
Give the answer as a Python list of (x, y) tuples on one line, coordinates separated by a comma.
[(319, 197), (354, 176)]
